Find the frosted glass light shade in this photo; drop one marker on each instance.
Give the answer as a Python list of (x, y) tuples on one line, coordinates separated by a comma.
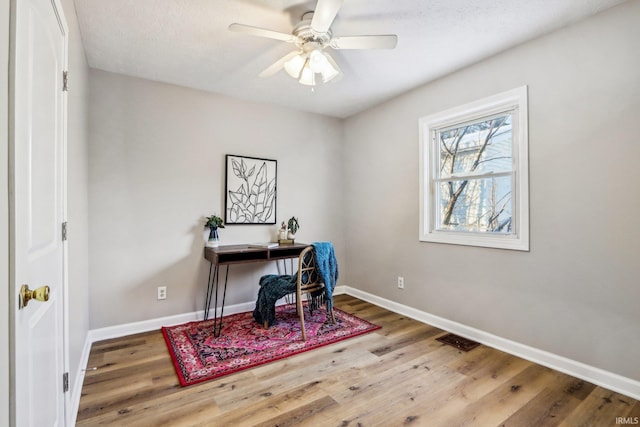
[(329, 73), (307, 77), (317, 61), (306, 65), (293, 67)]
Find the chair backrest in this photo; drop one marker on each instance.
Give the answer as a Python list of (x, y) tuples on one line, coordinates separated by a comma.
[(308, 276)]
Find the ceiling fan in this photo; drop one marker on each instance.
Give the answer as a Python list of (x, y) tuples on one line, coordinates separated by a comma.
[(311, 37)]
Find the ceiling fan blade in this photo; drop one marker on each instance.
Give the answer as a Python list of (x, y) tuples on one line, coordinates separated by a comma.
[(261, 32), (278, 65), (387, 41), (323, 16)]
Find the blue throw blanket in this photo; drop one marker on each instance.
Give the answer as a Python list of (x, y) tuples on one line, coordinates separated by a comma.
[(273, 286), (327, 265)]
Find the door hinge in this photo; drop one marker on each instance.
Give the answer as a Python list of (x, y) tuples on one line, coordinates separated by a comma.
[(65, 81), (64, 231), (65, 382)]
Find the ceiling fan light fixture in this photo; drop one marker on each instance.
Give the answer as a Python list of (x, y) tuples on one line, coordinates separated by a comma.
[(329, 75), (318, 61), (294, 66), (307, 76), (311, 36), (329, 71)]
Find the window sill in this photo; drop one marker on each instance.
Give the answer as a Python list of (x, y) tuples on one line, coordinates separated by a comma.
[(518, 243)]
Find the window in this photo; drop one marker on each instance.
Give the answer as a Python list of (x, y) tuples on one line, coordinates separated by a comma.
[(474, 174)]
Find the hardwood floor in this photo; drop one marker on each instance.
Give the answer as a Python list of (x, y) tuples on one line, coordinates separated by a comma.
[(398, 375)]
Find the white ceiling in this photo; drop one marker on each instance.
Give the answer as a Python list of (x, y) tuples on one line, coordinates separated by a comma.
[(187, 43)]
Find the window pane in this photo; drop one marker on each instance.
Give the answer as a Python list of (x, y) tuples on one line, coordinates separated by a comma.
[(480, 147), (475, 205)]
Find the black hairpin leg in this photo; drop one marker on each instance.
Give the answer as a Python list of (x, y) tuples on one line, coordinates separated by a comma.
[(217, 320), (207, 298), (215, 278)]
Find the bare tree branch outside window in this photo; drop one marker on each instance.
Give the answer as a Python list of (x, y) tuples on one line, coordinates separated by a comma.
[(474, 181)]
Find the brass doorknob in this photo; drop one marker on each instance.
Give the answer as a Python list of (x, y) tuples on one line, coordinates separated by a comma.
[(26, 295)]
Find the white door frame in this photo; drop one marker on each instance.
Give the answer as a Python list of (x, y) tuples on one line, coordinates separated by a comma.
[(13, 297), (4, 212)]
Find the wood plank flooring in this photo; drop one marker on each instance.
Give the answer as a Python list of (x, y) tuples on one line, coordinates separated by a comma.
[(398, 375)]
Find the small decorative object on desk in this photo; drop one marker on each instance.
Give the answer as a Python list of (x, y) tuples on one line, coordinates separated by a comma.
[(213, 223), (293, 226), (282, 232)]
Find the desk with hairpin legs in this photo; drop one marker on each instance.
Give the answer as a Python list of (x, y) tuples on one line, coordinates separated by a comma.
[(238, 254)]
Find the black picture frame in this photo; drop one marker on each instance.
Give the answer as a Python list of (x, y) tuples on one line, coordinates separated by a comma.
[(250, 190)]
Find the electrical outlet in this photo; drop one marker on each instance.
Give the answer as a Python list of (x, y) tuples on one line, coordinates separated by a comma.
[(400, 282), (162, 292)]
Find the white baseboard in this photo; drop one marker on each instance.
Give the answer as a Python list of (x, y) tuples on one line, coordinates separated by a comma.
[(155, 324), (76, 391), (606, 379), (339, 290)]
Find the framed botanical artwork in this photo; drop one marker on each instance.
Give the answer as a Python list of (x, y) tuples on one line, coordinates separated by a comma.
[(250, 190)]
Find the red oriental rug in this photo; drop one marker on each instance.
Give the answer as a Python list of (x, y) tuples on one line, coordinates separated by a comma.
[(198, 356)]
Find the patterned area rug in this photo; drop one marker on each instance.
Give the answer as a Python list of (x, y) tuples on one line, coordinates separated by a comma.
[(199, 356)]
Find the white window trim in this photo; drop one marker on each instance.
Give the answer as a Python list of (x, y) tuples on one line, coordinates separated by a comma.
[(475, 110)]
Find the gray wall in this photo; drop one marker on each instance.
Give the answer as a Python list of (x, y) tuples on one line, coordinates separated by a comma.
[(577, 292), (157, 168)]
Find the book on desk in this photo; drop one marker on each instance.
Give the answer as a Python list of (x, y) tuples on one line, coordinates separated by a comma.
[(286, 241), (267, 245)]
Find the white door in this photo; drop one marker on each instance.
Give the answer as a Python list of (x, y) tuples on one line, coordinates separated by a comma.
[(38, 211)]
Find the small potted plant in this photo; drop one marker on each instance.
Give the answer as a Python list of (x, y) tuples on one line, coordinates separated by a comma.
[(213, 222), (293, 227)]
